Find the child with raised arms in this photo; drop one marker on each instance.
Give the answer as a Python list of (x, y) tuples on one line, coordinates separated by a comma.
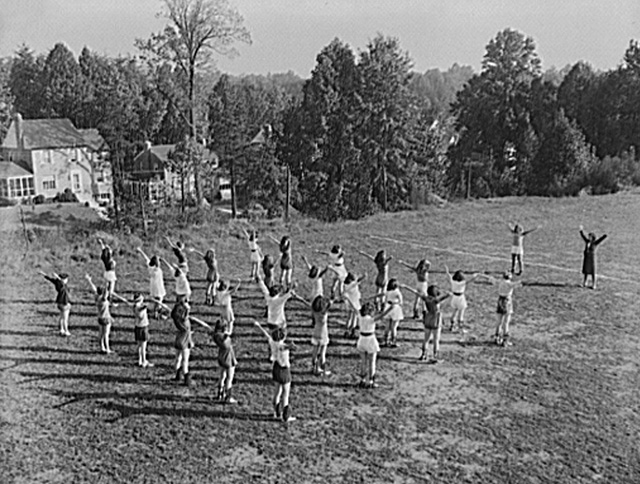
[(213, 275), (106, 256), (226, 361), (393, 300), (63, 301), (105, 320), (286, 260), (183, 341), (223, 298), (157, 290), (382, 265), (315, 277), (504, 307), (319, 306), (281, 371), (352, 297), (276, 297), (141, 327), (255, 252), (267, 269), (422, 274), (517, 247), (367, 345), (336, 264), (182, 285), (431, 318), (178, 249), (458, 299), (591, 243)]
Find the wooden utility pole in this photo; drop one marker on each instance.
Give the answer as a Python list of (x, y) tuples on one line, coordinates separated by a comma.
[(287, 198), (233, 188)]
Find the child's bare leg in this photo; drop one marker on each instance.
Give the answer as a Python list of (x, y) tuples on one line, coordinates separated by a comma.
[(65, 319), (221, 383), (107, 331), (276, 400), (394, 331), (314, 359), (323, 360), (436, 342), (593, 281), (425, 343), (101, 336), (461, 320), (364, 367), (372, 368), (513, 262)]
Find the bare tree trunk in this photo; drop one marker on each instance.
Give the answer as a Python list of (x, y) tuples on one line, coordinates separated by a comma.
[(195, 164)]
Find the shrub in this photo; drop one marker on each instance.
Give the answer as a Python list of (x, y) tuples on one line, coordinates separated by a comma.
[(7, 202), (66, 197), (39, 199)]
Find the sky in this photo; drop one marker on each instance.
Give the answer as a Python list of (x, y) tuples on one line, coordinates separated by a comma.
[(287, 35)]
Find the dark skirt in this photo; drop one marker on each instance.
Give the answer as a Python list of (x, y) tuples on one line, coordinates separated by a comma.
[(141, 334), (281, 374), (105, 321), (504, 305), (589, 264), (183, 341)]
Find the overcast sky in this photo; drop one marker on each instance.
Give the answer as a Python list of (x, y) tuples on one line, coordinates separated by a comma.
[(288, 34)]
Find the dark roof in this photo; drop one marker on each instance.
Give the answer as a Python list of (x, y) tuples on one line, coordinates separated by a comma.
[(93, 139), (9, 169), (44, 133)]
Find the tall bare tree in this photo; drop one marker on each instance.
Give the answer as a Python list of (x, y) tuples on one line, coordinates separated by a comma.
[(196, 30)]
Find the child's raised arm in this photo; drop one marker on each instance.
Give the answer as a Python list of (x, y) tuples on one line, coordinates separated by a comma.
[(408, 266), (361, 278), (101, 242), (145, 256), (118, 296), (368, 256), (323, 252), (410, 289), (192, 249), (263, 287), (531, 230), (446, 271), (170, 266), (93, 286), (584, 237), (601, 239), (264, 331), (306, 262), (274, 240), (302, 300), (383, 314), (200, 322)]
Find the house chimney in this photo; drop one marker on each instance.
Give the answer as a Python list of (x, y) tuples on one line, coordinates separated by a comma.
[(17, 120)]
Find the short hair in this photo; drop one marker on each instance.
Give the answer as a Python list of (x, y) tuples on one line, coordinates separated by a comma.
[(275, 290), (458, 276), (223, 286), (153, 262), (221, 326), (180, 244), (177, 272), (367, 309), (63, 276), (278, 334), (392, 285), (320, 304), (350, 278), (313, 272), (336, 249), (433, 290), (380, 257)]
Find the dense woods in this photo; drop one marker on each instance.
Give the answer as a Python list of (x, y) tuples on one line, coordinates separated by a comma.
[(364, 132)]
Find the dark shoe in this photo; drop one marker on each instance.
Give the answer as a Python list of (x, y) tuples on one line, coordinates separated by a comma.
[(178, 376), (228, 398), (187, 380), (276, 410)]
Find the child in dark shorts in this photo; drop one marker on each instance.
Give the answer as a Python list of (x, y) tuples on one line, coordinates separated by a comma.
[(226, 361), (213, 275), (105, 320), (141, 328), (183, 342), (431, 318), (63, 302), (281, 372)]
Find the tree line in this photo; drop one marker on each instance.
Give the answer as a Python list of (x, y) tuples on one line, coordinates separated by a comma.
[(363, 133)]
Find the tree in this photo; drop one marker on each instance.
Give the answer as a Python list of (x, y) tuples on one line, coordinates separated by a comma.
[(180, 161), (493, 114), (63, 84), (389, 110), (6, 99), (25, 82), (197, 29)]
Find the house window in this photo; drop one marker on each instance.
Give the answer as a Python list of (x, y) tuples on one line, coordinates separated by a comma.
[(76, 185), (4, 187), (21, 187), (49, 156), (49, 183)]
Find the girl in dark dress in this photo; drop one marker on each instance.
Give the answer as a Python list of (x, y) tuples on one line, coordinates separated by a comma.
[(589, 259), (226, 360), (286, 260), (382, 265), (63, 302)]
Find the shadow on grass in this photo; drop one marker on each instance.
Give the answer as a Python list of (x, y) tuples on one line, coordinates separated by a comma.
[(94, 377), (549, 284), (126, 411), (25, 301)]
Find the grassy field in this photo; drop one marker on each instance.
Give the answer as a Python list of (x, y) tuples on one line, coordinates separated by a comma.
[(561, 405)]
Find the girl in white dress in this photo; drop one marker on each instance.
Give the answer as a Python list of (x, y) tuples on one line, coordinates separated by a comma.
[(156, 282), (458, 299), (393, 301), (422, 284), (315, 278), (336, 264), (256, 255), (223, 299)]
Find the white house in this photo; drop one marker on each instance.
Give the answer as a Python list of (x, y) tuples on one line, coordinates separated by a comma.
[(49, 156)]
